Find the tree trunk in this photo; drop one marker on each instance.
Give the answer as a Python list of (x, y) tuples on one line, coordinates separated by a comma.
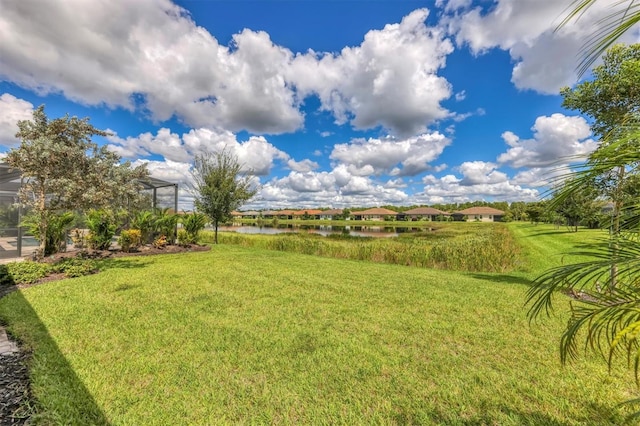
[(44, 223), (615, 227), (215, 232)]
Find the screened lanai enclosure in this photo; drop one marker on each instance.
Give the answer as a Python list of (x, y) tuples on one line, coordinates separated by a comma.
[(15, 240), (11, 238)]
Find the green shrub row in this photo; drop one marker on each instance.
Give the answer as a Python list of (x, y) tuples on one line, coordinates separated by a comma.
[(28, 272)]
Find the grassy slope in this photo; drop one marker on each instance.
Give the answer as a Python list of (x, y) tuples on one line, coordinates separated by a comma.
[(248, 335)]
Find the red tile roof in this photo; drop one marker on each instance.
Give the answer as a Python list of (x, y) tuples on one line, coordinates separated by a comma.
[(307, 211)]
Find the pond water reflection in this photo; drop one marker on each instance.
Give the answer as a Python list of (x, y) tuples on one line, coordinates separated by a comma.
[(361, 231)]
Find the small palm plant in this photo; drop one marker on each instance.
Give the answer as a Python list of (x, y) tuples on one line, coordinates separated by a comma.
[(56, 238), (193, 223), (166, 224), (145, 222), (102, 227)]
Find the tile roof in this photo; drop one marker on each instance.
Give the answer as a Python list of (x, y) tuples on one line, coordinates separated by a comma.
[(374, 211), (307, 211), (480, 210), (425, 210), (332, 212)]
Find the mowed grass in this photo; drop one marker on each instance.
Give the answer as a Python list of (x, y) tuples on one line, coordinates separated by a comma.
[(247, 335)]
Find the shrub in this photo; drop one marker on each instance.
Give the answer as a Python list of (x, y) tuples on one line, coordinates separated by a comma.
[(26, 272), (78, 238), (130, 239), (75, 267), (160, 242), (193, 223), (56, 238), (102, 227), (145, 222), (166, 224)]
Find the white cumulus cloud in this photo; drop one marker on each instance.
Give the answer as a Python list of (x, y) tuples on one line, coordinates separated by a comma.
[(545, 59), (557, 139), (403, 157), (147, 54), (12, 110), (390, 80), (256, 154)]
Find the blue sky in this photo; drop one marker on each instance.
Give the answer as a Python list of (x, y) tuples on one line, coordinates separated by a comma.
[(329, 103)]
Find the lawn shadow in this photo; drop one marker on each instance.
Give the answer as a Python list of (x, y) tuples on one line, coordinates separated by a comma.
[(67, 401), (501, 278), (123, 263)]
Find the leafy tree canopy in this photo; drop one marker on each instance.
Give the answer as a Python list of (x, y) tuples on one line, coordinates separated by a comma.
[(613, 95), (220, 186), (63, 169)]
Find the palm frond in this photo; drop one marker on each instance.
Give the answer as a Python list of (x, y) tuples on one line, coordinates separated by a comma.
[(612, 27)]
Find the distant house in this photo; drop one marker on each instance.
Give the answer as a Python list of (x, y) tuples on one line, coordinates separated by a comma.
[(479, 214), (422, 213), (268, 214), (312, 214), (331, 214), (284, 214), (251, 214), (374, 214)]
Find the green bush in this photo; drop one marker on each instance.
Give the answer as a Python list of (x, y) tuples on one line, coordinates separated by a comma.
[(26, 272), (102, 227), (471, 247), (130, 239), (145, 222), (58, 226), (192, 223), (165, 225), (75, 267)]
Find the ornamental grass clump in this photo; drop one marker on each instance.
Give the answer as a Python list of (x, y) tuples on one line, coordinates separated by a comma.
[(468, 247)]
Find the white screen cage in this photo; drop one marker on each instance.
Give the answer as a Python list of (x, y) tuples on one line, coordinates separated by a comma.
[(14, 240)]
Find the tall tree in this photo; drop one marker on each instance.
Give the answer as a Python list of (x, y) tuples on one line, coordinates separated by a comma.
[(612, 100), (612, 97), (63, 169), (577, 206), (220, 186)]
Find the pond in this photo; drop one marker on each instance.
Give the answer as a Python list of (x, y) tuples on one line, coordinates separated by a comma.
[(359, 231)]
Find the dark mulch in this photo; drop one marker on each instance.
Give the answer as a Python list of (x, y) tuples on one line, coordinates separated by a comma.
[(16, 402), (142, 251), (16, 405)]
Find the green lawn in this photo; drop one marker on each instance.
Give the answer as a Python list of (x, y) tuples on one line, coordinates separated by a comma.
[(246, 335)]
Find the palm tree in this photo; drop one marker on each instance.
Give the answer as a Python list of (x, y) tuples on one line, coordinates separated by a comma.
[(606, 289), (625, 14)]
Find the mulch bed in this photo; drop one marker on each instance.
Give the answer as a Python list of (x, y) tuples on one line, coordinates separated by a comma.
[(142, 251), (16, 405), (16, 402)]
